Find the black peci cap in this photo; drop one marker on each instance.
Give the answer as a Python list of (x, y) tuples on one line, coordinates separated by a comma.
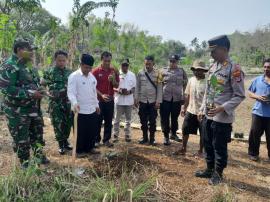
[(219, 41), (87, 59)]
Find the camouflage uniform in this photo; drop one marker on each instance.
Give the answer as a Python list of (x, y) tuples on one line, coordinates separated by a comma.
[(59, 105), (25, 121)]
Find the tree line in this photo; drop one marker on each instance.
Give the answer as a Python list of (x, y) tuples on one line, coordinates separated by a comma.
[(88, 33)]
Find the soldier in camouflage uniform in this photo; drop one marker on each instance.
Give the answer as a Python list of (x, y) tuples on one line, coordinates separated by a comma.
[(59, 106), (19, 83)]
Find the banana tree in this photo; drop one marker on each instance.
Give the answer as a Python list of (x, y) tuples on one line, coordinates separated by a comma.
[(79, 21), (7, 35)]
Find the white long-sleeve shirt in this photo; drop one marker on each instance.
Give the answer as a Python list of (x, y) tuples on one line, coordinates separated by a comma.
[(82, 91), (127, 81)]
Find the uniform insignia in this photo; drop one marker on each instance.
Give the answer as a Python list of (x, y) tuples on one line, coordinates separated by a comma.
[(225, 63), (237, 74), (159, 77)]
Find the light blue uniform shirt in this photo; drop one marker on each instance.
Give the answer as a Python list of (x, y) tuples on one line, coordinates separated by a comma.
[(260, 87)]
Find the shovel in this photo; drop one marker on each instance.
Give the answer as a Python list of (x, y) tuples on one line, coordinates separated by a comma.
[(77, 170)]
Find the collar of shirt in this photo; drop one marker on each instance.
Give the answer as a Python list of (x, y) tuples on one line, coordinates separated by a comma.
[(59, 69), (81, 73), (124, 74), (263, 80), (145, 70)]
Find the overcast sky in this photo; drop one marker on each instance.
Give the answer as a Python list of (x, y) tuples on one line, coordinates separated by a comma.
[(181, 19)]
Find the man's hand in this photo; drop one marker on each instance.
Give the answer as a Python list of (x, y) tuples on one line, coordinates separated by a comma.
[(262, 98), (183, 112), (76, 108), (98, 110), (157, 105), (213, 112), (106, 97), (37, 95), (200, 116)]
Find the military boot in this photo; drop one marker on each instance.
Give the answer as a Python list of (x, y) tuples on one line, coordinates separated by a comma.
[(144, 140), (67, 146), (207, 173), (61, 148), (216, 178), (24, 163), (152, 139)]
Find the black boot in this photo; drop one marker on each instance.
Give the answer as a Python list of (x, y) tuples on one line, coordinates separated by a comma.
[(144, 140), (24, 163), (216, 178), (61, 148), (207, 173), (67, 146), (175, 137), (44, 160), (152, 139)]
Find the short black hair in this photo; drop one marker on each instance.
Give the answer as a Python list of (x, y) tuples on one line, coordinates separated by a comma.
[(105, 54), (60, 52), (21, 45), (266, 60), (149, 57), (87, 59)]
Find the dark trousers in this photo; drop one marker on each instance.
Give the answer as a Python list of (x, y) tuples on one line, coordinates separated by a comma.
[(106, 114), (148, 116), (169, 110), (216, 136), (259, 125), (87, 132)]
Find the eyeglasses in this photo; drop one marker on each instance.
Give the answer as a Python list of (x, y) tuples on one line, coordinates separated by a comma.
[(268, 66), (173, 61)]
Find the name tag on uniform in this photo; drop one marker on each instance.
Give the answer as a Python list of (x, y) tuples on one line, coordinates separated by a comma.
[(100, 75)]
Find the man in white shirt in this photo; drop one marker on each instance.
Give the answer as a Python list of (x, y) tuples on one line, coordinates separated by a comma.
[(124, 100), (83, 97), (194, 94)]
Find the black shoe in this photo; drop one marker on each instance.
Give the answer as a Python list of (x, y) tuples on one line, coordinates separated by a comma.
[(175, 138), (61, 151), (207, 173), (43, 160), (97, 145), (143, 141), (215, 179), (253, 158), (108, 144), (128, 140), (93, 151), (152, 143), (24, 164), (67, 146), (167, 142)]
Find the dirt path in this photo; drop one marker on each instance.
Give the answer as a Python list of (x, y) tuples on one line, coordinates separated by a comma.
[(244, 180)]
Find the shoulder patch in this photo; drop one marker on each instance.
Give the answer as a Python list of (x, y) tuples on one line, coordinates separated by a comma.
[(237, 73)]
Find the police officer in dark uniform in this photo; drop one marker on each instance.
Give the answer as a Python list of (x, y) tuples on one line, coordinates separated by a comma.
[(174, 81), (224, 92)]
